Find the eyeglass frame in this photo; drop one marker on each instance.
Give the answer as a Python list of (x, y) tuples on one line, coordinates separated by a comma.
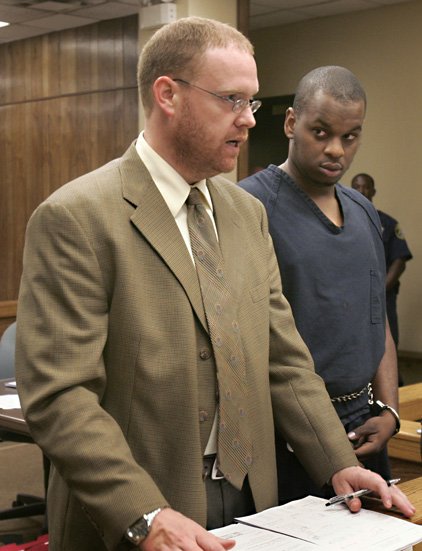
[(238, 105)]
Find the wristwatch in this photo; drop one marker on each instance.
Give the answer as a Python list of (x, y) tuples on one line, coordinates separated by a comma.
[(378, 407), (140, 529)]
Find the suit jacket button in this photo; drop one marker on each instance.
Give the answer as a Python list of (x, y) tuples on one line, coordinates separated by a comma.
[(203, 416), (205, 354)]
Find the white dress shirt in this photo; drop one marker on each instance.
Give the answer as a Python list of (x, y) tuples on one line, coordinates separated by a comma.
[(173, 188)]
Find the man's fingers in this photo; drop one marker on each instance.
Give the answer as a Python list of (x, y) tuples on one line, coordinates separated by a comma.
[(228, 544), (352, 479), (366, 449), (214, 543), (352, 435), (354, 504), (397, 498), (172, 531)]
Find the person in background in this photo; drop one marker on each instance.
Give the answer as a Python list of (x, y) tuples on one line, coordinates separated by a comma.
[(397, 252), (329, 248), (123, 379)]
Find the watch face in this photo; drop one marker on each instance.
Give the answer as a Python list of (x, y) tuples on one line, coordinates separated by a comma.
[(138, 531)]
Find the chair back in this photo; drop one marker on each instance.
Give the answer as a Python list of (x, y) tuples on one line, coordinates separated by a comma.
[(7, 352)]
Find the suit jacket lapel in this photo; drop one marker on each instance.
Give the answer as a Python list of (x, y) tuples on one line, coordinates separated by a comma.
[(156, 223)]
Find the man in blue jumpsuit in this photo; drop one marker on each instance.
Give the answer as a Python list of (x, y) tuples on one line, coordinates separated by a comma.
[(397, 252), (328, 241)]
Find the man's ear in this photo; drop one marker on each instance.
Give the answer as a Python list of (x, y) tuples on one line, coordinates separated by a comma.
[(164, 91), (289, 122)]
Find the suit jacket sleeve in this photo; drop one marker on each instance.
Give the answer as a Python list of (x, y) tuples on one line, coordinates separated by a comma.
[(62, 332), (303, 411)]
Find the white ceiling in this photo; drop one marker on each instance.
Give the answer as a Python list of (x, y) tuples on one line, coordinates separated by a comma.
[(269, 13), (34, 17)]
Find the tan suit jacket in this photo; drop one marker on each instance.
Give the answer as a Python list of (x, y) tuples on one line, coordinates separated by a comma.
[(114, 362)]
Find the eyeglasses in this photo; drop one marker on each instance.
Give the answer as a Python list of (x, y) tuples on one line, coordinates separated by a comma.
[(238, 105)]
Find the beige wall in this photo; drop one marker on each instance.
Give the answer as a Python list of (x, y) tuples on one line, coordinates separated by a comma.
[(383, 46)]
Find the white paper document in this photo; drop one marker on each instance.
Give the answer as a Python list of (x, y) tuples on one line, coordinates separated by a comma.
[(335, 527), (9, 401), (251, 538)]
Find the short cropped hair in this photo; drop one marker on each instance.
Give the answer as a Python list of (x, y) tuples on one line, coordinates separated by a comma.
[(176, 50), (337, 82), (365, 176)]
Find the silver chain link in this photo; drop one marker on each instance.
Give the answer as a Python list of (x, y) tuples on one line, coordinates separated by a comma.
[(370, 395), (354, 395)]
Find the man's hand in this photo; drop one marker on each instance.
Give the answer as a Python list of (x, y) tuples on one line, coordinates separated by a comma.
[(171, 531), (352, 479), (371, 437)]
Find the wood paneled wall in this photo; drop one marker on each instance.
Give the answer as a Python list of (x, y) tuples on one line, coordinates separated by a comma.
[(68, 104)]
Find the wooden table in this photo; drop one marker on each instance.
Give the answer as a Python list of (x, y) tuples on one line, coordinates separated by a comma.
[(407, 443), (12, 419), (410, 400), (413, 490)]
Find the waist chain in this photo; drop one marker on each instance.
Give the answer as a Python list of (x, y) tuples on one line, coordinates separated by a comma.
[(354, 395)]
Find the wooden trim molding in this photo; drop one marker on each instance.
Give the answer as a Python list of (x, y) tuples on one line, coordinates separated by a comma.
[(69, 95), (8, 308)]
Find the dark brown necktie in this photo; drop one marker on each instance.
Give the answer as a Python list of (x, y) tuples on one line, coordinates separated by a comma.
[(234, 448)]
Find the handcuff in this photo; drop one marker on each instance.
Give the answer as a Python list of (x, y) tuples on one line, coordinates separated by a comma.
[(378, 407)]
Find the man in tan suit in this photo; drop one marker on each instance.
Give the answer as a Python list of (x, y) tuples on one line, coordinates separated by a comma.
[(115, 365)]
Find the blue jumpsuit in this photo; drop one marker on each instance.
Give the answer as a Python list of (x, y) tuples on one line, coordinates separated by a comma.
[(334, 279)]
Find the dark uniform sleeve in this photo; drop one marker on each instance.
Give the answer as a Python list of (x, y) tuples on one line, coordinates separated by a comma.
[(394, 242)]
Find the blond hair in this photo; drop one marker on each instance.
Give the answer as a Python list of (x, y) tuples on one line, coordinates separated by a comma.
[(176, 50)]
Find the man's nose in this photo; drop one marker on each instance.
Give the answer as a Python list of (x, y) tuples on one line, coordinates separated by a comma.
[(334, 148), (246, 118)]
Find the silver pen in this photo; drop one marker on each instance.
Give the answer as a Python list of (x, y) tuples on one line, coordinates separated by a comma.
[(343, 498)]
